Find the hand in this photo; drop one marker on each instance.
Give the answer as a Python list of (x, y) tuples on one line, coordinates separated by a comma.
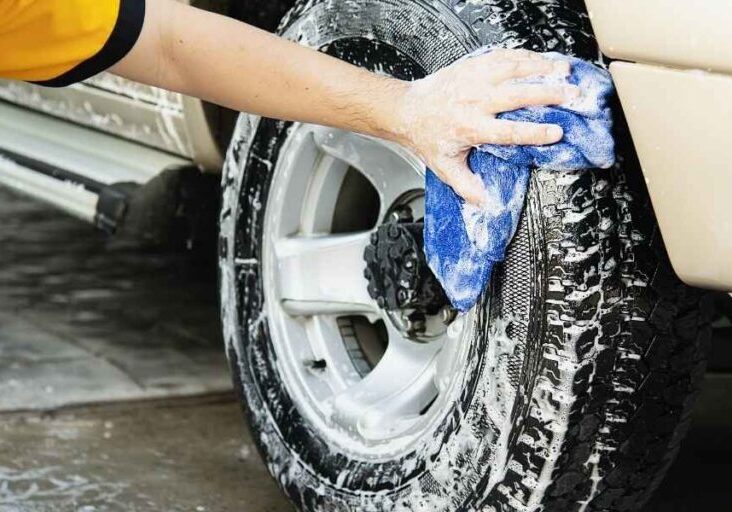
[(445, 114), (440, 117)]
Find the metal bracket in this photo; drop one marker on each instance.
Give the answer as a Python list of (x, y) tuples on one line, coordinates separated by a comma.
[(112, 205)]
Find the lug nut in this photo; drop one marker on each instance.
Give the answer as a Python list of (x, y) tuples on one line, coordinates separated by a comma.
[(403, 214)]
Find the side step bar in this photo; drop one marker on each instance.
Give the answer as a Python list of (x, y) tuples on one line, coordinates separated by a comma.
[(81, 171), (67, 196)]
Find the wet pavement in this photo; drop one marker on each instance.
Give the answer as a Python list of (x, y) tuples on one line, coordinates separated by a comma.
[(177, 455), (112, 319), (115, 396)]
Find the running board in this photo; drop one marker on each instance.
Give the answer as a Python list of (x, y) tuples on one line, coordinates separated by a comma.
[(86, 173)]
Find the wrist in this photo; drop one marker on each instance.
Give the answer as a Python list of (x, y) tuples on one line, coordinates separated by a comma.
[(390, 120)]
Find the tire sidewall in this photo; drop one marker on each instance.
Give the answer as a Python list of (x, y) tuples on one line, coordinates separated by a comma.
[(471, 461), (300, 460)]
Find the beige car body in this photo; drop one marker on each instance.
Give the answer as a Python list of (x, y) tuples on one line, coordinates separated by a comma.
[(672, 67), (674, 77), (73, 147), (167, 121)]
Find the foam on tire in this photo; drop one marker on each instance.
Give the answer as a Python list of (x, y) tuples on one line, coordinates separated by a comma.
[(587, 352)]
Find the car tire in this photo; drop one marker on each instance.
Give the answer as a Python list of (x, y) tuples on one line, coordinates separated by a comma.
[(568, 387)]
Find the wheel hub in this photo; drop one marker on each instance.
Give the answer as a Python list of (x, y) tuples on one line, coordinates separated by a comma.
[(374, 378), (399, 278)]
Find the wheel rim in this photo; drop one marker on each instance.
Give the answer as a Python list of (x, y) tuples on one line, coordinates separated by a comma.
[(372, 400)]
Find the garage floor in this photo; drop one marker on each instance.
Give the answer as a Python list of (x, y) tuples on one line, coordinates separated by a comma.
[(115, 396), (173, 455)]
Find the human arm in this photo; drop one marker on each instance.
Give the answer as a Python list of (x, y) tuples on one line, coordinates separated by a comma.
[(440, 118)]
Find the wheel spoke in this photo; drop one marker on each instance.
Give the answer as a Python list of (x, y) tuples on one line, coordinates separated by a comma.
[(449, 354), (323, 275), (391, 169), (391, 397)]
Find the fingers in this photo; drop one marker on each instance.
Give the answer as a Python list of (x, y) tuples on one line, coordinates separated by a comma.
[(466, 98), (517, 133), (501, 65), (516, 54), (462, 180), (513, 97), (516, 69)]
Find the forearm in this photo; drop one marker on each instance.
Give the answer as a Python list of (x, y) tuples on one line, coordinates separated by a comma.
[(440, 118), (241, 67)]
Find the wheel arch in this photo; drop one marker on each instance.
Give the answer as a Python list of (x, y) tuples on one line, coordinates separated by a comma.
[(209, 127), (265, 14)]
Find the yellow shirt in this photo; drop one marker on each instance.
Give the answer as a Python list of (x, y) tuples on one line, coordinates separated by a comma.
[(59, 42)]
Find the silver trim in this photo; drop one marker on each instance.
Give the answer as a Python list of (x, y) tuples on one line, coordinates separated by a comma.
[(71, 198), (312, 277), (103, 158), (159, 125)]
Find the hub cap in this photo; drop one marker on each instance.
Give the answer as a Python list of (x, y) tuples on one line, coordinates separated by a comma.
[(371, 356)]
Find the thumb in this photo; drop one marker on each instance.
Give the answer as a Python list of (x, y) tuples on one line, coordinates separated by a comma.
[(463, 181)]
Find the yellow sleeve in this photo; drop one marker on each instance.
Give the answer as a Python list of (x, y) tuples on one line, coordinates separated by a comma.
[(60, 42)]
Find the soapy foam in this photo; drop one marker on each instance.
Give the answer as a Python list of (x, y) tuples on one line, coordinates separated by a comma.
[(447, 475)]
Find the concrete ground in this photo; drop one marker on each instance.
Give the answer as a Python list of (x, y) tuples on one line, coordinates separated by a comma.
[(115, 396), (172, 455)]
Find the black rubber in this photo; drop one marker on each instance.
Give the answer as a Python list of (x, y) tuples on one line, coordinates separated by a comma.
[(397, 271), (587, 353)]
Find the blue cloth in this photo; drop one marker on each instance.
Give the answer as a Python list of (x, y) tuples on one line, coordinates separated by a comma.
[(463, 242)]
